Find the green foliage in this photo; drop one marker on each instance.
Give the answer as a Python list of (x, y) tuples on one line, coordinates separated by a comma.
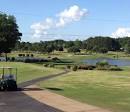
[(75, 68), (102, 65), (46, 65), (68, 67), (102, 44), (73, 49), (86, 67), (9, 33), (127, 47), (123, 42), (115, 68), (106, 89)]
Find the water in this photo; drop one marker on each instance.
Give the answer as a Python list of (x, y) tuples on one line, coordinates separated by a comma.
[(118, 62)]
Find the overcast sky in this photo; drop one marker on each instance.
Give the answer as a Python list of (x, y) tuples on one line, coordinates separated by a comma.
[(69, 19)]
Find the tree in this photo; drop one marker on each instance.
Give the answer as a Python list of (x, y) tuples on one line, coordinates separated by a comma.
[(127, 47), (9, 33), (101, 44), (73, 49)]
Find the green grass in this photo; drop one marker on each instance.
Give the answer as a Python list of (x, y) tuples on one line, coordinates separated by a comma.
[(107, 89), (28, 71), (76, 58)]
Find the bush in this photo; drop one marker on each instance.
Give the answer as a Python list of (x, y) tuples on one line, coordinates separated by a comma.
[(55, 59), (46, 65), (115, 68), (27, 55), (68, 66), (75, 68), (102, 65), (30, 60), (12, 59), (32, 55), (23, 55), (73, 49), (86, 67), (20, 55)]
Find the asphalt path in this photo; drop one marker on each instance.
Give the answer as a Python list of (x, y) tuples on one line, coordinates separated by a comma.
[(19, 102), (34, 81)]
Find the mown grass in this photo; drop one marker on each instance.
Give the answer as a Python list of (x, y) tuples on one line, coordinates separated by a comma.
[(107, 89), (28, 71), (76, 58)]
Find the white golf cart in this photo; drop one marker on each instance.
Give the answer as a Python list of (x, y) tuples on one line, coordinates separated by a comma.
[(8, 80)]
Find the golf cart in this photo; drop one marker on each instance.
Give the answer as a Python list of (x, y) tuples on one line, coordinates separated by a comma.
[(8, 81)]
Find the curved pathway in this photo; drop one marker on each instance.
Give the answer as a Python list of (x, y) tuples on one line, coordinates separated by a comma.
[(34, 81), (21, 102)]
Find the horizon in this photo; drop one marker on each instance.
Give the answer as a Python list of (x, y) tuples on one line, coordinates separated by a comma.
[(70, 19)]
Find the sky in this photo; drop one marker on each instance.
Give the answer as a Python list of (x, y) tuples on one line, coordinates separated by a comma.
[(69, 19)]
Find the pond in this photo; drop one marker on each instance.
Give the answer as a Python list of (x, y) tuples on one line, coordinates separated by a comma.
[(118, 62)]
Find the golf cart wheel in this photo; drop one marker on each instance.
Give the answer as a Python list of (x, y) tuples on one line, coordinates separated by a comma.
[(12, 86)]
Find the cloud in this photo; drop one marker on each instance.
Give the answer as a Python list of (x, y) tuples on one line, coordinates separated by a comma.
[(72, 14), (121, 32), (41, 28)]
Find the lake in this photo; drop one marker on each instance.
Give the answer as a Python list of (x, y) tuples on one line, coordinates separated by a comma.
[(118, 62)]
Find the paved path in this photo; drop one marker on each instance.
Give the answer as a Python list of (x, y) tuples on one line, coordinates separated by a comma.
[(32, 99), (21, 102), (34, 81), (61, 102)]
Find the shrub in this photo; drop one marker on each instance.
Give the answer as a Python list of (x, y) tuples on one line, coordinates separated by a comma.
[(49, 57), (73, 49), (102, 65), (86, 67), (68, 66), (12, 59), (20, 55), (75, 68), (23, 55), (55, 59), (27, 55), (32, 55), (46, 65), (115, 68)]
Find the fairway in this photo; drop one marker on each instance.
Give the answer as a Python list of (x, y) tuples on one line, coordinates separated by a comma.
[(28, 71), (107, 89)]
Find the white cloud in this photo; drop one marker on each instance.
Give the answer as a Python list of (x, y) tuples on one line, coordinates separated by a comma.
[(121, 32), (72, 14), (41, 28)]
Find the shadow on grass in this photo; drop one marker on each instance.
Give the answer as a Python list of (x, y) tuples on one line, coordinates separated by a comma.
[(54, 89)]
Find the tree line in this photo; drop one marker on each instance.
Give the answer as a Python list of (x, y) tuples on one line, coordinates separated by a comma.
[(10, 37), (97, 44)]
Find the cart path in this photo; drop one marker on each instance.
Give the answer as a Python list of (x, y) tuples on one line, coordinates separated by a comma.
[(34, 81), (20, 102), (61, 102)]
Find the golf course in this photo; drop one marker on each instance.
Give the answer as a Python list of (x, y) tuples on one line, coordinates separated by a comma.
[(65, 56), (107, 89), (28, 71), (103, 88)]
